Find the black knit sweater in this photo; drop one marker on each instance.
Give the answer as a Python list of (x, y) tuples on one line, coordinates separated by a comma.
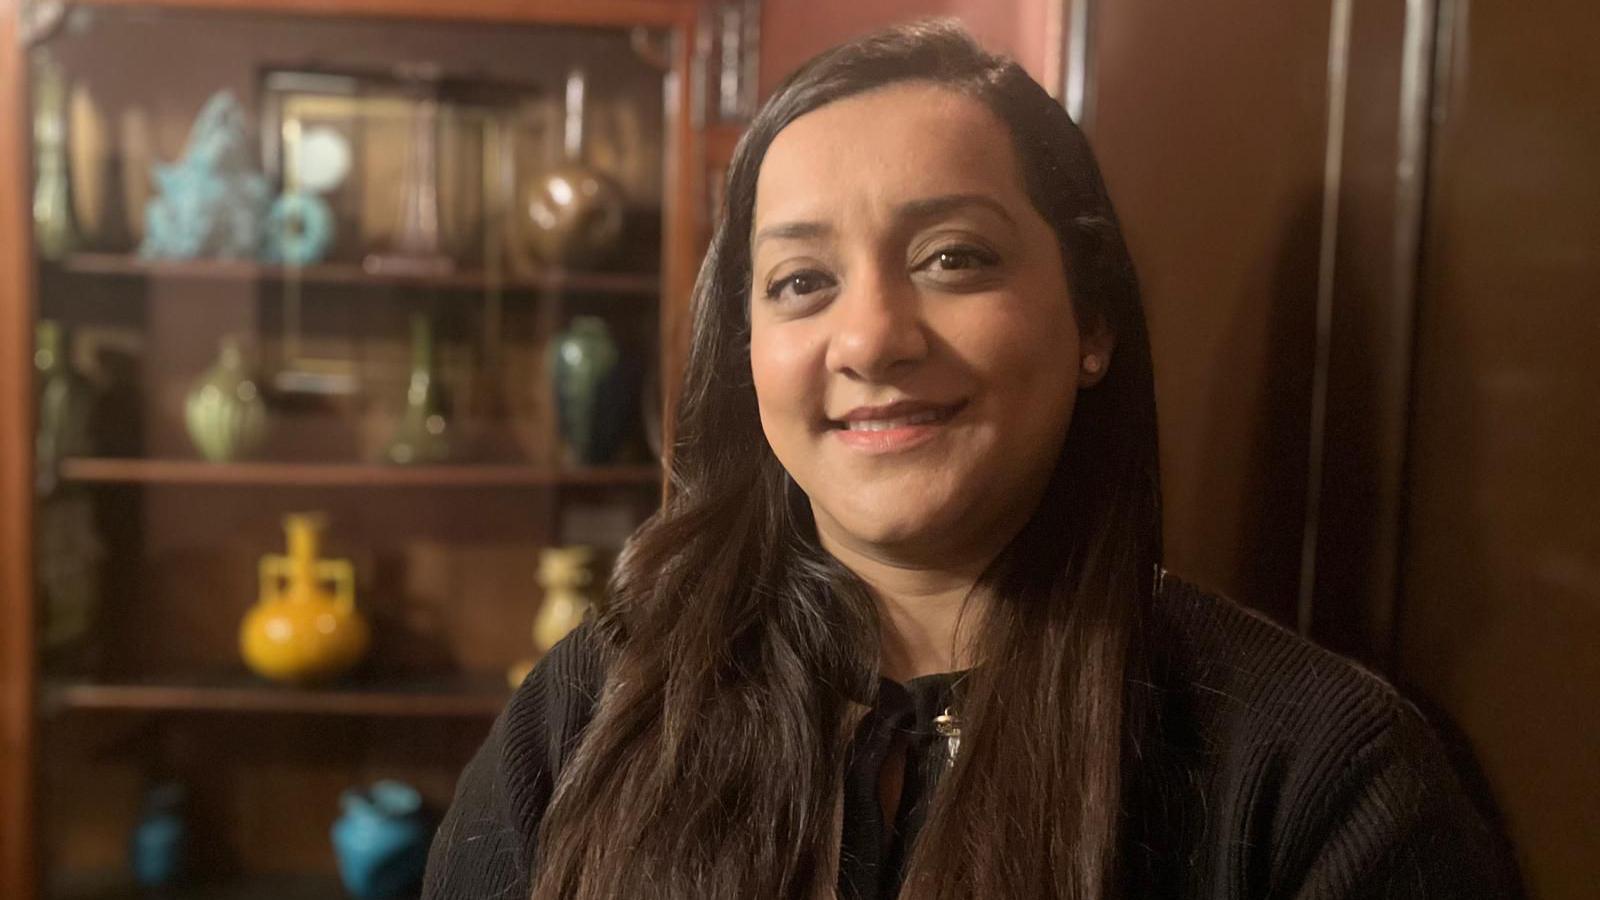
[(1279, 770)]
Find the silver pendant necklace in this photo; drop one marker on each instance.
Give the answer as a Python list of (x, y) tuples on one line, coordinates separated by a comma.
[(948, 726)]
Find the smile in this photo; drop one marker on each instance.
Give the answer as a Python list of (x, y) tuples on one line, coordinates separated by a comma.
[(893, 429), (930, 417)]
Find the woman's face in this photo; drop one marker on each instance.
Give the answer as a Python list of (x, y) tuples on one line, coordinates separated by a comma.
[(914, 348)]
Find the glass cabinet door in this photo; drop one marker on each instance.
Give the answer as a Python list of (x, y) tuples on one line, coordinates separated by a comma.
[(349, 361)]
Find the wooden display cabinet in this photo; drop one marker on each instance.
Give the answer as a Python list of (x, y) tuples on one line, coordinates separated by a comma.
[(445, 552)]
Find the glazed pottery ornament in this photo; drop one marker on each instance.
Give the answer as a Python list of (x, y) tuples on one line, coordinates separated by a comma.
[(565, 575), (573, 214), (89, 163), (54, 231), (157, 847), (65, 403), (67, 553), (225, 413), (593, 399), (417, 243), (306, 627), (424, 432), (381, 841), (299, 230), (213, 202)]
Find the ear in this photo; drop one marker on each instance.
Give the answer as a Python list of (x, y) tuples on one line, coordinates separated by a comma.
[(1095, 345)]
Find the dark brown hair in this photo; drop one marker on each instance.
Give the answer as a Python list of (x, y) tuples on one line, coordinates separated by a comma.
[(739, 652)]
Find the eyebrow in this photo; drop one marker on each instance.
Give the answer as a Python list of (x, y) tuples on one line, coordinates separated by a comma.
[(925, 208), (931, 207)]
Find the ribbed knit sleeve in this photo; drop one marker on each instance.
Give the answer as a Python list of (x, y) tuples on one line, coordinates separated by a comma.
[(484, 848), (1393, 822), (1307, 776)]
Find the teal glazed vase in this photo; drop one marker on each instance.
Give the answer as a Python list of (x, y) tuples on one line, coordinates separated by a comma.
[(424, 433), (381, 840), (156, 849), (65, 404), (225, 412), (591, 382)]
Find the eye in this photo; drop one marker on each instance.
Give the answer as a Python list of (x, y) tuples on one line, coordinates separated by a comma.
[(959, 258), (799, 284)]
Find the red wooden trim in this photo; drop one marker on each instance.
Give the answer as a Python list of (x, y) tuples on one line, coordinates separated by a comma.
[(622, 13), (683, 250), (18, 856)]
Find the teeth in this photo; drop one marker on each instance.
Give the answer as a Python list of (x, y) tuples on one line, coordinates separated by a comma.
[(922, 418)]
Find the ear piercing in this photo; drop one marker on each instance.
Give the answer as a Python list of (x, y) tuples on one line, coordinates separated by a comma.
[(1091, 364)]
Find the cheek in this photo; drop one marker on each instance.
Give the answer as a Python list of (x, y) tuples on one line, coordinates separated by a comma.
[(783, 370), (1026, 354)]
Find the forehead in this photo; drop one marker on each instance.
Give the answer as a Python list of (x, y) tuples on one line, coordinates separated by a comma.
[(886, 146)]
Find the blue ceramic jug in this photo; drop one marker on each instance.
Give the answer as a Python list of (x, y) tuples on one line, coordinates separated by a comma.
[(382, 840), (156, 848)]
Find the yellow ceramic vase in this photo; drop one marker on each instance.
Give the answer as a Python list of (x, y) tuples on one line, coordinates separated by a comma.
[(305, 628), (565, 575)]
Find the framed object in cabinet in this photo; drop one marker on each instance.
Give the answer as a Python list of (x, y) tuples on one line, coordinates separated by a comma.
[(336, 345)]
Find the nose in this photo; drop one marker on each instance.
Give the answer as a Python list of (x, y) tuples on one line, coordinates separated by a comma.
[(877, 327)]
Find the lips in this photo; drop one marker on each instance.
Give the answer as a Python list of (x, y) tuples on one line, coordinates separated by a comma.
[(901, 414), (894, 428)]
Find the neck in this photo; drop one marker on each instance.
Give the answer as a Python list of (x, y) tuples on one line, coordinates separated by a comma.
[(920, 608)]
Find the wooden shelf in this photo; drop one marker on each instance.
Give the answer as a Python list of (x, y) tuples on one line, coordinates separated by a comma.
[(111, 265), (287, 474), (460, 696), (117, 885)]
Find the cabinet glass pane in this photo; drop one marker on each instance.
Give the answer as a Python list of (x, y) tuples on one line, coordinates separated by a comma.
[(406, 276)]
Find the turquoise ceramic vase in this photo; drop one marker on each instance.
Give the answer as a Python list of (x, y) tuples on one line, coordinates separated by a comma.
[(381, 840), (156, 848), (65, 402), (593, 401), (225, 412), (424, 432)]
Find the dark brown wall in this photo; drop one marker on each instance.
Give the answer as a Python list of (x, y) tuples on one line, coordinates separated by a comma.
[(792, 31), (1501, 616), (1211, 136)]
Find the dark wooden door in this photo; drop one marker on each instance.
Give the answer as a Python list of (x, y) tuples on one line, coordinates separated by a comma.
[(1500, 617)]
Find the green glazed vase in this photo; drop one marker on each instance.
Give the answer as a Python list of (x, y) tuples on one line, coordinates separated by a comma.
[(590, 381), (225, 412), (65, 401), (424, 433), (54, 232)]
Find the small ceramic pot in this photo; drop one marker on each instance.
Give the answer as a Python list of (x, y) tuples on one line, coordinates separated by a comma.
[(594, 400), (157, 846), (65, 403), (225, 412), (381, 840)]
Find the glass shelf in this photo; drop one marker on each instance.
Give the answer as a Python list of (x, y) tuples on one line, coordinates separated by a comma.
[(452, 696), (292, 474), (555, 281), (119, 886)]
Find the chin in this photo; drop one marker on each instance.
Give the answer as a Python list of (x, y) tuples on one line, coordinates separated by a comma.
[(896, 524)]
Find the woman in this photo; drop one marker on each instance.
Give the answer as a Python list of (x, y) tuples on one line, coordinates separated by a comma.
[(901, 628)]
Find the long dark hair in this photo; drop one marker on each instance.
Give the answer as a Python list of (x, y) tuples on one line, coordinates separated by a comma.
[(740, 654)]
